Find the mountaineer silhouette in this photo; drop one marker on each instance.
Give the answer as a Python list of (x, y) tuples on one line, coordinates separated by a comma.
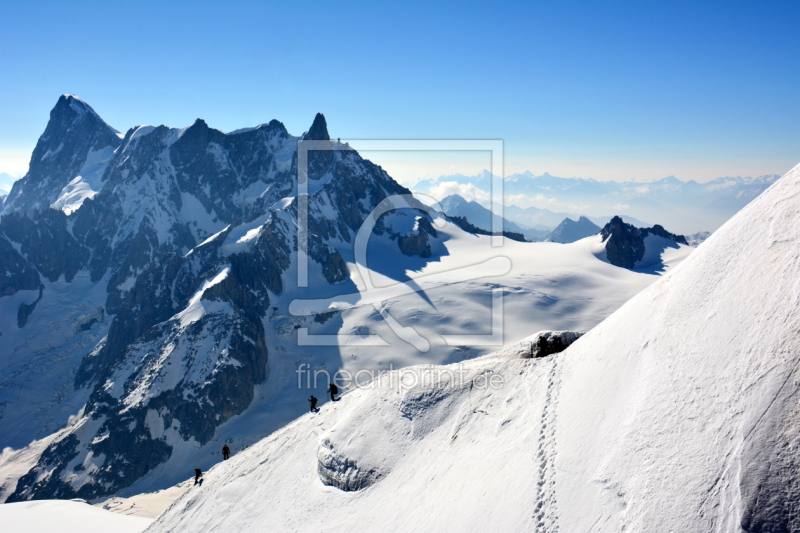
[(334, 390), (313, 401)]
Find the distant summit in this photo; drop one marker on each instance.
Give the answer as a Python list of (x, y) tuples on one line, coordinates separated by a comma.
[(625, 243), (481, 217), (571, 231)]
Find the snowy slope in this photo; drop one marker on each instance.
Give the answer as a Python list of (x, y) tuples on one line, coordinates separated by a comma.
[(677, 413), (66, 516), (148, 504)]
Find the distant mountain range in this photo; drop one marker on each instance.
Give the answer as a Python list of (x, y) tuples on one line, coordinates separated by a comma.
[(688, 207), (478, 215), (534, 223)]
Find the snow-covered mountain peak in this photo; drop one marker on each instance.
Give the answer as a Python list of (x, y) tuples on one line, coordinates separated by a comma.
[(75, 137), (75, 104)]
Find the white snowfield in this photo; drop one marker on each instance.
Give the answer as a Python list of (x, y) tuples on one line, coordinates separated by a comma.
[(65, 516), (147, 504), (678, 413)]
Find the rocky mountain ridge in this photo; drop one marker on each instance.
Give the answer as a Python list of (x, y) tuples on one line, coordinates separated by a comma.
[(189, 233)]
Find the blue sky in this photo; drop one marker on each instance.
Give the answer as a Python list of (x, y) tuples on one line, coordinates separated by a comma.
[(625, 90)]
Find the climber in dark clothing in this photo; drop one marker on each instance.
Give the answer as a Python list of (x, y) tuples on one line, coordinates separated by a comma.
[(226, 452), (313, 401), (334, 390), (197, 475)]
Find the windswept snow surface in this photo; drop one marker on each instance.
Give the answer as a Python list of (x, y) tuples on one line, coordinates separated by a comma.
[(66, 516), (679, 412)]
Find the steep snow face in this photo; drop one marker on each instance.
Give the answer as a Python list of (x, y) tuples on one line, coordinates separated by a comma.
[(677, 413), (390, 457), (695, 424)]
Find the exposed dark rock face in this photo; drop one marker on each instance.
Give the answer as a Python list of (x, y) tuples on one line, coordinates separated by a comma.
[(550, 342), (661, 232), (72, 134), (189, 231), (46, 243), (570, 231), (417, 242), (16, 273), (25, 310), (625, 245), (319, 130)]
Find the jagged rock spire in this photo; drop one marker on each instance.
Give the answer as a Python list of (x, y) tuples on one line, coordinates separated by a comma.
[(319, 130)]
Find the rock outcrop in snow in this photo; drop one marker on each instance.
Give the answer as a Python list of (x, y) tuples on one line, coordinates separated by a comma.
[(625, 243)]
